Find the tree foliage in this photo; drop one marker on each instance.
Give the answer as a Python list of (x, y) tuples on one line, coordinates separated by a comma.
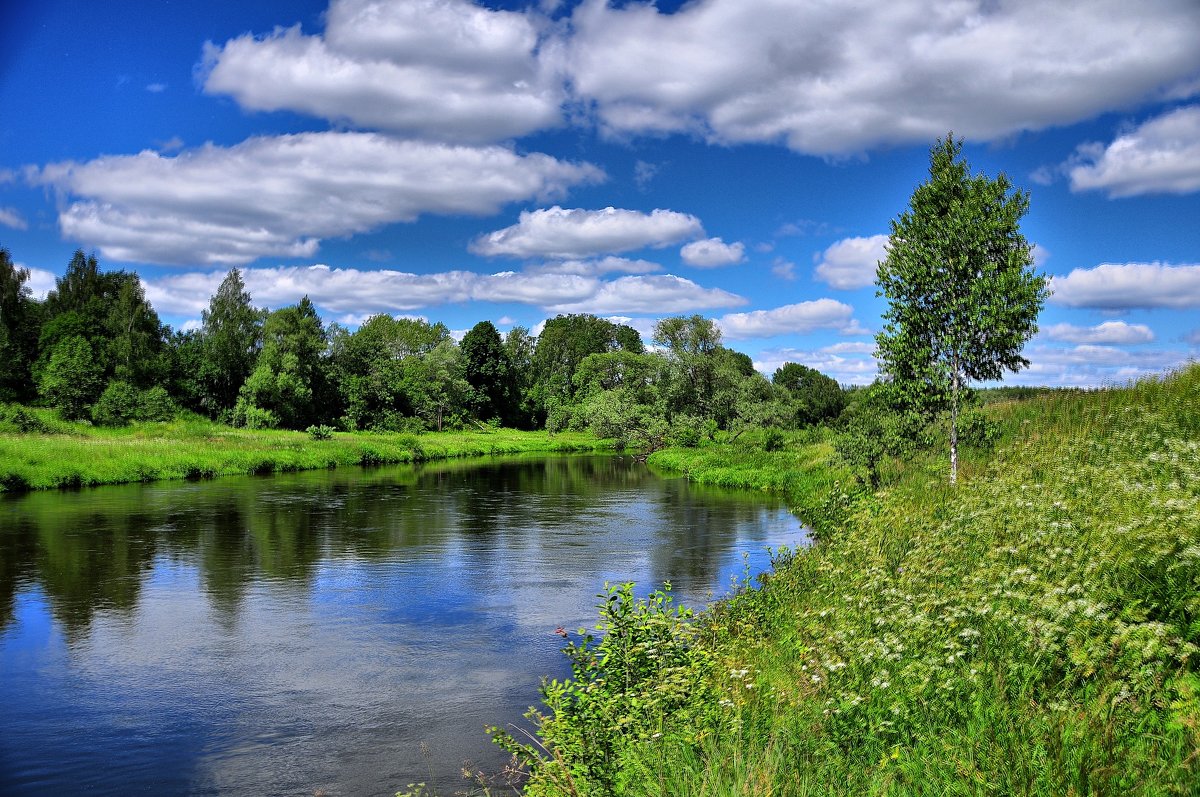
[(289, 379), (562, 345), (963, 298), (18, 330), (488, 372), (73, 377), (813, 396), (231, 338)]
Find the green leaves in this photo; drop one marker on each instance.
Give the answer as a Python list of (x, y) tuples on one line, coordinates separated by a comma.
[(962, 296)]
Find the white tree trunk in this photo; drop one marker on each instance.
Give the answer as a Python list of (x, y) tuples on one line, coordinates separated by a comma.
[(954, 429)]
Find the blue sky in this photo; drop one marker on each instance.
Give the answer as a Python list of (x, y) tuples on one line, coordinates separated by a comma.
[(742, 159)]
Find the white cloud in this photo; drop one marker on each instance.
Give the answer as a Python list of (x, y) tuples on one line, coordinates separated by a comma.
[(1112, 332), (847, 370), (644, 326), (278, 196), (11, 217), (851, 262), (784, 269), (643, 173), (1130, 285), (1090, 365), (348, 291), (441, 69), (664, 293), (1040, 255), (595, 268), (712, 253), (850, 347), (156, 88), (557, 232), (1161, 156), (792, 319), (840, 78), (40, 281)]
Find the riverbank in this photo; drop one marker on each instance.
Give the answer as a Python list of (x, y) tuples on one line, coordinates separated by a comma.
[(1033, 631), (66, 455)]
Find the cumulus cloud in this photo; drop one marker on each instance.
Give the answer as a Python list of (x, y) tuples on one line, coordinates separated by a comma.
[(278, 196), (784, 269), (845, 366), (1111, 332), (11, 217), (851, 262), (40, 281), (441, 69), (712, 253), (1160, 156), (1089, 365), (1130, 285), (663, 293), (840, 78), (343, 291), (595, 268), (576, 233), (792, 319)]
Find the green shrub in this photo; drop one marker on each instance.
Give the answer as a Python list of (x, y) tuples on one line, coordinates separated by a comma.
[(686, 432), (156, 405), (977, 430), (320, 432), (773, 439), (249, 416), (21, 421), (118, 405)]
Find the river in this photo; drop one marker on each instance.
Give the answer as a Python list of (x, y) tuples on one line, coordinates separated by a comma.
[(330, 632)]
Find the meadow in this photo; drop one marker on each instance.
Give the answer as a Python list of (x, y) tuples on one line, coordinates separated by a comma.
[(39, 451), (1032, 631)]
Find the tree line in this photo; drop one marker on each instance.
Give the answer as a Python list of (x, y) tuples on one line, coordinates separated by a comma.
[(95, 349)]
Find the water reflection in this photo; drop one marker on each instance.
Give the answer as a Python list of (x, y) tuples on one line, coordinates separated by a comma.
[(301, 632)]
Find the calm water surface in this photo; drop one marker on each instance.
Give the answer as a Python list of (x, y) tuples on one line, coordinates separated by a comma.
[(336, 632)]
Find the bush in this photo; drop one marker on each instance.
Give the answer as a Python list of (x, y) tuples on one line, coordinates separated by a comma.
[(156, 405), (686, 432), (21, 421), (773, 439), (117, 406), (978, 431), (249, 416), (320, 432)]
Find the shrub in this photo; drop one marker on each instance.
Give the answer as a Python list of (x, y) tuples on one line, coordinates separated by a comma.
[(249, 416), (978, 431), (156, 405), (117, 406), (320, 432), (22, 421), (773, 439), (686, 432)]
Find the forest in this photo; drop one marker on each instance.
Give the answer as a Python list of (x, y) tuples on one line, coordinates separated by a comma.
[(96, 350)]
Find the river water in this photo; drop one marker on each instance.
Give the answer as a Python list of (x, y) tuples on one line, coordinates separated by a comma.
[(334, 632)]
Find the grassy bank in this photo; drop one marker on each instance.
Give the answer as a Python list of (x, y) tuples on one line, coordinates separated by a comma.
[(1033, 631), (74, 455)]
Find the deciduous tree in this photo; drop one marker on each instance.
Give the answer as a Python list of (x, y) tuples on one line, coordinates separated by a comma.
[(963, 298)]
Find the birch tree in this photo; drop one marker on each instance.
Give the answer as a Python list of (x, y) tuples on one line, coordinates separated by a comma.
[(963, 297)]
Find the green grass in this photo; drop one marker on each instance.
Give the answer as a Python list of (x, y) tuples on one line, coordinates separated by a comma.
[(75, 455), (1033, 631)]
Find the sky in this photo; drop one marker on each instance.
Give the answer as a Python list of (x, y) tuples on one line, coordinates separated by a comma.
[(463, 161)]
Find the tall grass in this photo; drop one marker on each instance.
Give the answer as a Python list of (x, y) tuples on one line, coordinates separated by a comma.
[(1033, 631), (79, 455)]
